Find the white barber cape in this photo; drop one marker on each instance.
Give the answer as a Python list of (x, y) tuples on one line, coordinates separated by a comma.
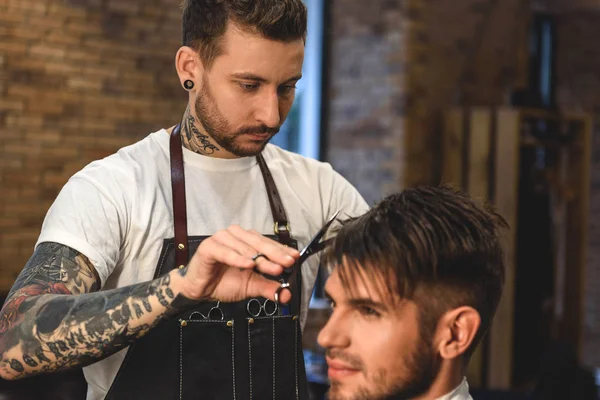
[(460, 393)]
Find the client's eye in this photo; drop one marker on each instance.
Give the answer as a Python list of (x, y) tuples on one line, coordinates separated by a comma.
[(369, 312)]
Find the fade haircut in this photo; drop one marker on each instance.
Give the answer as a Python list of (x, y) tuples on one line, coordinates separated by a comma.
[(204, 22), (433, 245)]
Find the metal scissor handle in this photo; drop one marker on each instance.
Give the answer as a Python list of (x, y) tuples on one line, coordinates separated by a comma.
[(254, 307), (214, 314)]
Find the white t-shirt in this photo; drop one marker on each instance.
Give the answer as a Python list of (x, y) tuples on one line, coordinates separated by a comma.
[(117, 211)]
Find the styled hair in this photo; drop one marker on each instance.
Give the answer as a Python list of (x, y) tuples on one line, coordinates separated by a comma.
[(433, 245), (204, 22)]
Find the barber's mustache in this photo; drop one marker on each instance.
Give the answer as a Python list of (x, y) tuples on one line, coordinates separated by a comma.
[(353, 361), (261, 129)]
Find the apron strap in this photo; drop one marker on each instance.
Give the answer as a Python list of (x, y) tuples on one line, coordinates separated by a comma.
[(179, 202), (281, 227)]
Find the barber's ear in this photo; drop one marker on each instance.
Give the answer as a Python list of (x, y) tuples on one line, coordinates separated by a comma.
[(189, 66), (456, 331)]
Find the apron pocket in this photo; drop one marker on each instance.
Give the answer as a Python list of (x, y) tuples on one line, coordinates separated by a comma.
[(273, 363), (207, 365), (286, 357)]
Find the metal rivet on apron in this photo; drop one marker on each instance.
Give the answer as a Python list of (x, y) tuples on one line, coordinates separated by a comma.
[(295, 317), (230, 323), (250, 321), (181, 246), (184, 323), (181, 267)]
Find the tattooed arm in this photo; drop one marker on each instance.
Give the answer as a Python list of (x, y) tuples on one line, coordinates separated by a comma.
[(54, 318)]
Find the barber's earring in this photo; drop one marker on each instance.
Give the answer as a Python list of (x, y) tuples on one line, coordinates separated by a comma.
[(188, 84)]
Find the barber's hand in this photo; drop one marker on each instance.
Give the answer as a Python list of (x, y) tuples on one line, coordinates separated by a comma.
[(222, 268)]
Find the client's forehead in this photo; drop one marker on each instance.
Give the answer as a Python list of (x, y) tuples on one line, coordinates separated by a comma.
[(362, 282)]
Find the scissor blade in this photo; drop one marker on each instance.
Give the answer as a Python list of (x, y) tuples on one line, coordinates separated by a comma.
[(315, 245)]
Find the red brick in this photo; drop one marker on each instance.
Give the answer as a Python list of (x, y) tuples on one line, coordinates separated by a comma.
[(12, 48), (10, 194), (78, 28), (84, 84), (29, 6), (63, 11), (46, 108), (45, 136), (61, 152), (11, 17), (24, 178), (8, 223), (82, 56), (47, 52), (63, 78), (54, 179), (15, 105), (24, 121), (128, 7), (46, 22), (6, 163)]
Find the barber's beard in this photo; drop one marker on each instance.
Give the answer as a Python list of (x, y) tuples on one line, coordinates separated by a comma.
[(217, 127), (422, 367)]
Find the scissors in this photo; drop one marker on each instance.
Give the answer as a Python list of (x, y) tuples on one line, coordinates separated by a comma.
[(254, 307), (315, 245), (215, 313)]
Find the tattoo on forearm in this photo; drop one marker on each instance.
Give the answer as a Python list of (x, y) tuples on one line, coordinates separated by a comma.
[(50, 321), (193, 139)]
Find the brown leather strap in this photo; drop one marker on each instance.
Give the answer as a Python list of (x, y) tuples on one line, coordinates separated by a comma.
[(179, 203), (282, 227)]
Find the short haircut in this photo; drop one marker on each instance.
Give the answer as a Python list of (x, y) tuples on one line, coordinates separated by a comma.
[(435, 245), (204, 22)]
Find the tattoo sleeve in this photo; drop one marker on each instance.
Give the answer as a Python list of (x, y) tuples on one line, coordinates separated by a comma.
[(54, 317)]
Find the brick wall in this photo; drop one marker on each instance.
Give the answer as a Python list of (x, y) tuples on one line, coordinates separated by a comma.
[(366, 87), (78, 80), (396, 65), (578, 89)]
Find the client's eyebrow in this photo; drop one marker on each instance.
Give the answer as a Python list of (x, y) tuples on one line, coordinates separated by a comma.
[(360, 302), (367, 302)]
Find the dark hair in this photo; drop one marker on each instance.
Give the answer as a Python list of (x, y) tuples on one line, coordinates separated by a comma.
[(435, 245), (204, 22)]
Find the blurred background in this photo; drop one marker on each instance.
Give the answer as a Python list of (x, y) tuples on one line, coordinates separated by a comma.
[(501, 98)]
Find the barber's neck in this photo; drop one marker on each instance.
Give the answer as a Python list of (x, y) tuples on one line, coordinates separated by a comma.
[(195, 138)]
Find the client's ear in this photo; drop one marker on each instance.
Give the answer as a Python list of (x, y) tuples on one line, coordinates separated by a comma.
[(456, 331)]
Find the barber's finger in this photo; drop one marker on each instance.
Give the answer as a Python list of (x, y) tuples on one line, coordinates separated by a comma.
[(225, 238), (260, 260), (211, 250), (274, 251), (290, 250), (263, 287)]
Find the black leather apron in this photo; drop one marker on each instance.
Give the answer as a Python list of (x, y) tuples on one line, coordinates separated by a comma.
[(217, 350)]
